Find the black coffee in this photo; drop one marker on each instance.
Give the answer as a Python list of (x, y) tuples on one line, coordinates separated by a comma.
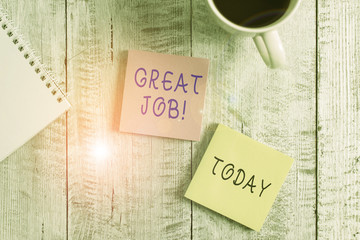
[(252, 13)]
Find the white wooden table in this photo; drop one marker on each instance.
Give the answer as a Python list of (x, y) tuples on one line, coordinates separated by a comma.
[(53, 187)]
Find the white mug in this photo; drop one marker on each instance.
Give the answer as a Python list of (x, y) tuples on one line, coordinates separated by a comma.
[(266, 38)]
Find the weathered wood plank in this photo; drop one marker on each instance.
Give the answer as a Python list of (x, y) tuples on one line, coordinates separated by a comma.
[(32, 179), (137, 191), (275, 107), (120, 197), (339, 119)]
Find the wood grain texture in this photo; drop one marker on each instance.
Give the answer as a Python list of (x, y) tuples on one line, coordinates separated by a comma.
[(32, 179), (275, 107), (137, 192), (339, 119)]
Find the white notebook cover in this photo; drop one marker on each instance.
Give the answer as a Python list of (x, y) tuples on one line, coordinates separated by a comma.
[(29, 98)]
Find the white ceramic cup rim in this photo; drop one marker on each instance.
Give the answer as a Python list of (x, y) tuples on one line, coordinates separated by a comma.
[(289, 12)]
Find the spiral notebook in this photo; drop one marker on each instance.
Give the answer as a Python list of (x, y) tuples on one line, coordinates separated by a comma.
[(29, 97)]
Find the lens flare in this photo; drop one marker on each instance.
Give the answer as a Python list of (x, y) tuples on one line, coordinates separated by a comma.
[(100, 150)]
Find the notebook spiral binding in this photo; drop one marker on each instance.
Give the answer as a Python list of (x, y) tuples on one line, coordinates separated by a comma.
[(34, 61)]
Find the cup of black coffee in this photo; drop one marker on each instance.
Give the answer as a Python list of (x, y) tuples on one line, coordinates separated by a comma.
[(259, 19)]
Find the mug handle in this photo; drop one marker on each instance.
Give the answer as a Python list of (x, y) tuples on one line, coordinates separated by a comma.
[(270, 48)]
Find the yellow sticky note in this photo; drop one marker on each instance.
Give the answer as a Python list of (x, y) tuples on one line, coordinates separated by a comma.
[(239, 177)]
